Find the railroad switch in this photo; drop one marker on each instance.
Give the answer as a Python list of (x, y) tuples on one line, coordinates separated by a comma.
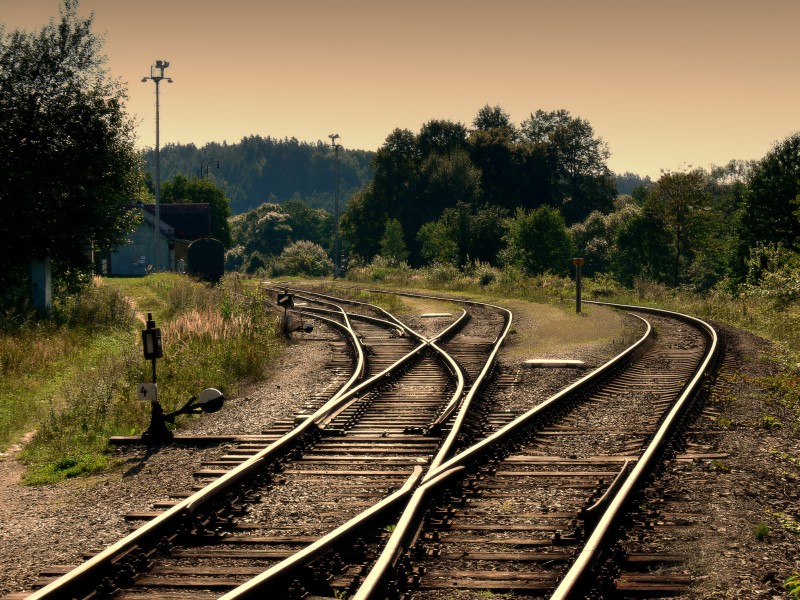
[(210, 400)]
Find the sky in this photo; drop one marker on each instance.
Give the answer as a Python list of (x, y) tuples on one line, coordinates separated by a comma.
[(667, 85)]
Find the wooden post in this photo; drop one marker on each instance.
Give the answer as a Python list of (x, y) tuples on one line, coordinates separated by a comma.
[(578, 262), (41, 284)]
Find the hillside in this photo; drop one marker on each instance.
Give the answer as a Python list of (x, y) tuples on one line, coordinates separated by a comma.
[(260, 169)]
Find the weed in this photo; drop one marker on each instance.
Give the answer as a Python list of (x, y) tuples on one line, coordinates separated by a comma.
[(390, 528), (75, 385), (507, 507), (769, 422), (788, 522), (761, 531), (785, 456), (340, 594), (719, 466), (724, 423), (793, 586)]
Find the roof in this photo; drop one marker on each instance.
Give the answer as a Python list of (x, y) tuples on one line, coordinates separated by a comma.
[(190, 221)]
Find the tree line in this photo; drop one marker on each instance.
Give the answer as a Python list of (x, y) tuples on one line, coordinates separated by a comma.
[(265, 169)]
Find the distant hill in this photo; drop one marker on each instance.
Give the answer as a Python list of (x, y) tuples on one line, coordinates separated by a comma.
[(627, 182), (258, 169)]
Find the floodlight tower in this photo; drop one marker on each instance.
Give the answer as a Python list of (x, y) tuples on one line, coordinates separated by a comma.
[(156, 76), (335, 146)]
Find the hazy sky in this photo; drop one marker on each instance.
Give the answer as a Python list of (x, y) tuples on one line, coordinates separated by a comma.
[(663, 83)]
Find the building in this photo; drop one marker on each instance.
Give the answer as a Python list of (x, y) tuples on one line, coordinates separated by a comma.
[(180, 225)]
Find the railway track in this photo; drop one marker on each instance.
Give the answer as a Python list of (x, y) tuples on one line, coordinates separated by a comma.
[(536, 505), (385, 490), (274, 494)]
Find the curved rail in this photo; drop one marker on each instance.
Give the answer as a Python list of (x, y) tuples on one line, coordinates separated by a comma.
[(372, 588), (574, 582), (148, 536), (402, 532)]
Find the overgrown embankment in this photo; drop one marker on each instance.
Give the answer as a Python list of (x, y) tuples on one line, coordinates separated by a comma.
[(72, 378)]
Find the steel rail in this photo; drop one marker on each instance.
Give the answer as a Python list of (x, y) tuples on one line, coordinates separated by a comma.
[(573, 584), (286, 569), (404, 534), (386, 313), (387, 560), (453, 366), (149, 534), (355, 343), (449, 444)]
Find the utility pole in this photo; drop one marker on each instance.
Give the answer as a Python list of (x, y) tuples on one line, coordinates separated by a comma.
[(335, 146), (156, 75), (205, 164)]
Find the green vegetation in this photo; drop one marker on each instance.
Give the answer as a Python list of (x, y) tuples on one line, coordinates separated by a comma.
[(265, 169), (719, 466), (788, 522), (761, 531), (793, 586), (72, 379), (770, 422)]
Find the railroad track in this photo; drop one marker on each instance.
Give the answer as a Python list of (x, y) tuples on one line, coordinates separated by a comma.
[(533, 508), (277, 493)]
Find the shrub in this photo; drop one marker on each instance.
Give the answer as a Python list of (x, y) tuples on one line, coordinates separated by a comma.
[(95, 306), (303, 258)]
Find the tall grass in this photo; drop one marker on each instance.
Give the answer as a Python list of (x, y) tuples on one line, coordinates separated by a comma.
[(759, 314), (78, 386)]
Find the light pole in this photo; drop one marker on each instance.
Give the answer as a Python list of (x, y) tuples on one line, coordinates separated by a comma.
[(205, 164), (156, 75), (335, 146)]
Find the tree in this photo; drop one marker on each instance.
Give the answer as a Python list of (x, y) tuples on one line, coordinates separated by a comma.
[(183, 189), (538, 241), (581, 180), (494, 117), (464, 233), (770, 213), (70, 168), (595, 236), (641, 250), (303, 258), (680, 201), (265, 230), (441, 137), (393, 244)]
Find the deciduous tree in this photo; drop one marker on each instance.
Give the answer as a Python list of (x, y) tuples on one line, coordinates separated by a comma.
[(538, 241), (67, 156)]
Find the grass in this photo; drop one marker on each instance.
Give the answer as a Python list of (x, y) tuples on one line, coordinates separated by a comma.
[(761, 531), (73, 378), (750, 310), (793, 586)]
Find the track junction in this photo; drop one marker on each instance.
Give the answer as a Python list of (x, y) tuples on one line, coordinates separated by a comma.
[(400, 483)]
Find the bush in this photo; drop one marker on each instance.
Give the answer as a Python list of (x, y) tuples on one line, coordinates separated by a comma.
[(234, 259), (441, 274), (303, 258), (773, 273), (83, 383), (95, 306)]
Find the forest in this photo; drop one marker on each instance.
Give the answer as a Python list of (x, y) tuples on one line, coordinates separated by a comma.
[(265, 169)]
